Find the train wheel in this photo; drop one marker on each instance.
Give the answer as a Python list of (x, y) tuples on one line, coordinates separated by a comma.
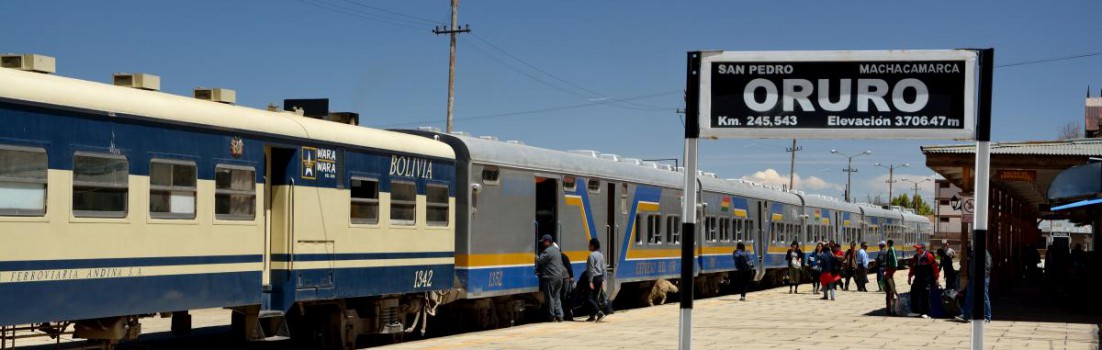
[(318, 327)]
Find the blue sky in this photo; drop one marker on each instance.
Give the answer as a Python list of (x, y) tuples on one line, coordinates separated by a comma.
[(380, 59)]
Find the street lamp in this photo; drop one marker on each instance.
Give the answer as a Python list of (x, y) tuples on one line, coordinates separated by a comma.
[(891, 173), (849, 170), (915, 198), (954, 202)]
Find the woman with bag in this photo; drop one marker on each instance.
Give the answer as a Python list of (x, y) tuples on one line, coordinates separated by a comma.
[(794, 257), (831, 262)]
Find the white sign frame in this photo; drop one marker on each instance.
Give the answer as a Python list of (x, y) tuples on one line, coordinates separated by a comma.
[(968, 131)]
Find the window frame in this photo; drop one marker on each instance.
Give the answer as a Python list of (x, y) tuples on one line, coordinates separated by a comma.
[(377, 201), (172, 188), (392, 202), (589, 185), (429, 204), (230, 191), (495, 170), (573, 181), (95, 214), (45, 183)]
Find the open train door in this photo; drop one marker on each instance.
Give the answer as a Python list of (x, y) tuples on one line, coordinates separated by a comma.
[(761, 243)]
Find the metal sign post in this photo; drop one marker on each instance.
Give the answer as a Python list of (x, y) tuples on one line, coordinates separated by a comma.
[(901, 94), (983, 183)]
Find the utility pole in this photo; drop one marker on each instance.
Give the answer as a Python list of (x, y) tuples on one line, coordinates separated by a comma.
[(891, 174), (849, 170), (792, 165), (453, 30), (915, 198)]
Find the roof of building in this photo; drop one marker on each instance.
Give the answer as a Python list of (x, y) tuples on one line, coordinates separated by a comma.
[(1073, 147)]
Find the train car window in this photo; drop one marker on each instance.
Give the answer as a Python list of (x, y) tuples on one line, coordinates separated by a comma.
[(569, 184), (172, 189), (22, 181), (436, 197), (636, 231), (234, 192), (365, 200), (491, 176), (658, 229), (594, 186), (673, 229), (100, 185), (403, 203)]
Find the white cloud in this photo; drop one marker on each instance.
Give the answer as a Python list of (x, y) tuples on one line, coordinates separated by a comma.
[(772, 177)]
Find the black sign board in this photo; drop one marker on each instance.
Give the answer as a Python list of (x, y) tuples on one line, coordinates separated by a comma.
[(847, 94)]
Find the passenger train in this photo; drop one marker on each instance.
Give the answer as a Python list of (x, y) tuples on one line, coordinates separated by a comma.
[(119, 203)]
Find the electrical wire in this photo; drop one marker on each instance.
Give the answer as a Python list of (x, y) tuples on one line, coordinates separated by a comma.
[(1048, 60), (380, 9), (534, 111), (361, 15)]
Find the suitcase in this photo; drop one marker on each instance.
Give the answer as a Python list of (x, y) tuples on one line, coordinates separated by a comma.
[(903, 304), (937, 309), (949, 303)]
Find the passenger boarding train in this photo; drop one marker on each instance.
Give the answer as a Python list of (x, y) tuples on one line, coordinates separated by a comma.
[(119, 203)]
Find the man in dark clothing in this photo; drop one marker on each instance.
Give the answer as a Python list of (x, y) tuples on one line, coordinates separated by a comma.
[(966, 315), (881, 265), (567, 289), (550, 271), (924, 271)]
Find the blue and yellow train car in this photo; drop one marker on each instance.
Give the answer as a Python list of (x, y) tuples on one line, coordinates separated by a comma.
[(118, 202)]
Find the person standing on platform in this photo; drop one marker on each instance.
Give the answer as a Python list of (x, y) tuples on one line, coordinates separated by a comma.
[(814, 265), (849, 264), (550, 270), (881, 264), (744, 270), (966, 314), (889, 277), (595, 273), (946, 264), (862, 267), (794, 258), (924, 271), (567, 287), (831, 260)]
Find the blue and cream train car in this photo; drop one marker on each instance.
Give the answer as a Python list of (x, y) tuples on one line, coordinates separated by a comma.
[(118, 202), (828, 219)]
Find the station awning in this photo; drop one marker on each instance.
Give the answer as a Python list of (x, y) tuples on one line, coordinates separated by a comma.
[(1079, 204)]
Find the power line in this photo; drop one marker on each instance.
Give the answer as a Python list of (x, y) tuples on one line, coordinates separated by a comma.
[(380, 9), (593, 94), (359, 14), (1047, 60), (534, 111)]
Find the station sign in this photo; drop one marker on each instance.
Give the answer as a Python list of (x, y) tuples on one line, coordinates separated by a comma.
[(905, 94)]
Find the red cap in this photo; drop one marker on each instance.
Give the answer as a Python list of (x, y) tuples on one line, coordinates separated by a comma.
[(920, 246)]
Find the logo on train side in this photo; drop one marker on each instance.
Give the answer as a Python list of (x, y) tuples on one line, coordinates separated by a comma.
[(237, 147), (410, 167), (319, 161)]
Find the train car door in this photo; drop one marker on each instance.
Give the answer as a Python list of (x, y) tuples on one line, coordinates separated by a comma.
[(547, 206), (611, 228), (278, 218), (761, 242)]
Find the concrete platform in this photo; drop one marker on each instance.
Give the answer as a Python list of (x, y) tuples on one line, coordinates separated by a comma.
[(769, 319), (774, 319)]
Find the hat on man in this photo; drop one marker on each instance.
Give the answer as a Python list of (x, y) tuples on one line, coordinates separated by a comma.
[(547, 238), (920, 246), (882, 243)]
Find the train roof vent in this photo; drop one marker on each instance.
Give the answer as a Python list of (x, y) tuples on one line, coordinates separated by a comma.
[(220, 95), (711, 175), (650, 164), (586, 152), (516, 142), (460, 133), (666, 167), (29, 62), (635, 161), (142, 81), (609, 156), (680, 169), (491, 138), (428, 128)]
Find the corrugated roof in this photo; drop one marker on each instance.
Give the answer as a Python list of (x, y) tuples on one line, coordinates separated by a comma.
[(1076, 147)]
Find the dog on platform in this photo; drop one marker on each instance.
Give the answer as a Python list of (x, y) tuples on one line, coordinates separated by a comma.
[(659, 290)]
